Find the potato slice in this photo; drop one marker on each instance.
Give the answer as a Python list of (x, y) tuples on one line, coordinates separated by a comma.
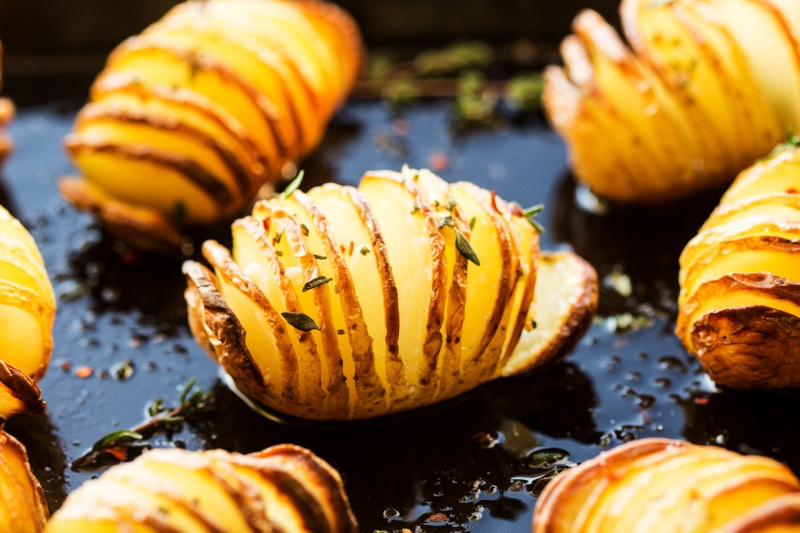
[(561, 317), (284, 488), (778, 515), (22, 507), (661, 485)]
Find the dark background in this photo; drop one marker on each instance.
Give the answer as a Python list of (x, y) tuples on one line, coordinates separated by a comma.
[(57, 36)]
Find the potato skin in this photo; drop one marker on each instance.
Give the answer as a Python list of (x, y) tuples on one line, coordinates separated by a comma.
[(23, 507), (710, 489), (191, 118), (739, 306), (686, 107), (282, 488), (344, 304)]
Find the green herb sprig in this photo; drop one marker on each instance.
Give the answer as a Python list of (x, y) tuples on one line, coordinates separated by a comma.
[(126, 444)]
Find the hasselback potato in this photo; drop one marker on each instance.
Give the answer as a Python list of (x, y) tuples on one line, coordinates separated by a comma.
[(6, 114), (27, 302), (346, 303), (708, 87), (660, 485), (189, 119), (740, 279), (283, 488), (22, 505)]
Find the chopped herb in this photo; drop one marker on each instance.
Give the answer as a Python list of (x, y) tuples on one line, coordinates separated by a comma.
[(300, 321), (316, 282), (414, 208), (278, 253), (451, 204), (472, 223), (446, 221), (304, 230), (531, 213), (320, 257), (340, 332), (465, 248), (364, 250), (293, 185), (278, 237), (436, 204), (792, 141), (126, 444)]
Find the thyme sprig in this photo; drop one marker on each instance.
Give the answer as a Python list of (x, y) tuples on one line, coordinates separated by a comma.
[(127, 444), (792, 141)]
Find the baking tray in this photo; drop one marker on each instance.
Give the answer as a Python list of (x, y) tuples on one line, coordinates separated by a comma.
[(475, 463)]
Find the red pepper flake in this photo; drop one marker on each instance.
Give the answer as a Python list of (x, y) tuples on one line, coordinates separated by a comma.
[(438, 161), (791, 190), (342, 248), (701, 401), (119, 453), (350, 251), (516, 211), (84, 372), (494, 201), (438, 517), (266, 224), (401, 127)]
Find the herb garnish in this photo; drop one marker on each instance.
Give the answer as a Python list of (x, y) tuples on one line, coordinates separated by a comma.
[(300, 321), (364, 250), (316, 282), (792, 141), (465, 248), (127, 444), (293, 185), (320, 257), (472, 223)]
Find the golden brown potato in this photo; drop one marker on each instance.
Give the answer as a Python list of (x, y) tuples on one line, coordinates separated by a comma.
[(706, 87), (739, 305), (283, 488), (27, 302), (661, 485), (189, 119), (6, 114), (22, 505), (344, 303)]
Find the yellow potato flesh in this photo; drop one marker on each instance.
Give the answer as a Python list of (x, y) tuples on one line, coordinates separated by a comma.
[(409, 250), (204, 122), (527, 242), (152, 66), (785, 264), (21, 339), (669, 47), (133, 502), (771, 179), (484, 281), (103, 525), (774, 209), (198, 485), (346, 225), (772, 52), (277, 506), (325, 269), (142, 182), (266, 275), (116, 132)]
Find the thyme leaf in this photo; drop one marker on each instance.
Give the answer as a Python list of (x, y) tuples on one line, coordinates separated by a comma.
[(293, 185), (465, 248), (316, 282), (126, 444), (300, 321)]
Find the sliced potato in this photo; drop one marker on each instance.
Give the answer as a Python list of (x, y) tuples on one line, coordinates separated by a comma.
[(711, 85), (663, 486), (22, 506), (283, 488), (740, 291), (401, 293), (192, 117)]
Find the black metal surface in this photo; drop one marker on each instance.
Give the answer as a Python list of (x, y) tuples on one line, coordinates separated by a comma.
[(471, 461)]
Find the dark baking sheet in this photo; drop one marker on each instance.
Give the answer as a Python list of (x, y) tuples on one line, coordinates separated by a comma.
[(470, 464)]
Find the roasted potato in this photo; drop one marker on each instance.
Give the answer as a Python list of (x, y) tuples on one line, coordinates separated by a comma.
[(6, 114), (27, 302), (664, 485), (739, 305), (283, 488), (344, 303), (22, 505), (191, 118), (708, 87)]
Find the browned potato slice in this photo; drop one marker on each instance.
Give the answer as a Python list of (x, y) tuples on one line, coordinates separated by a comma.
[(561, 317), (22, 508), (664, 486), (18, 393), (284, 488), (404, 292), (27, 302), (778, 515)]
